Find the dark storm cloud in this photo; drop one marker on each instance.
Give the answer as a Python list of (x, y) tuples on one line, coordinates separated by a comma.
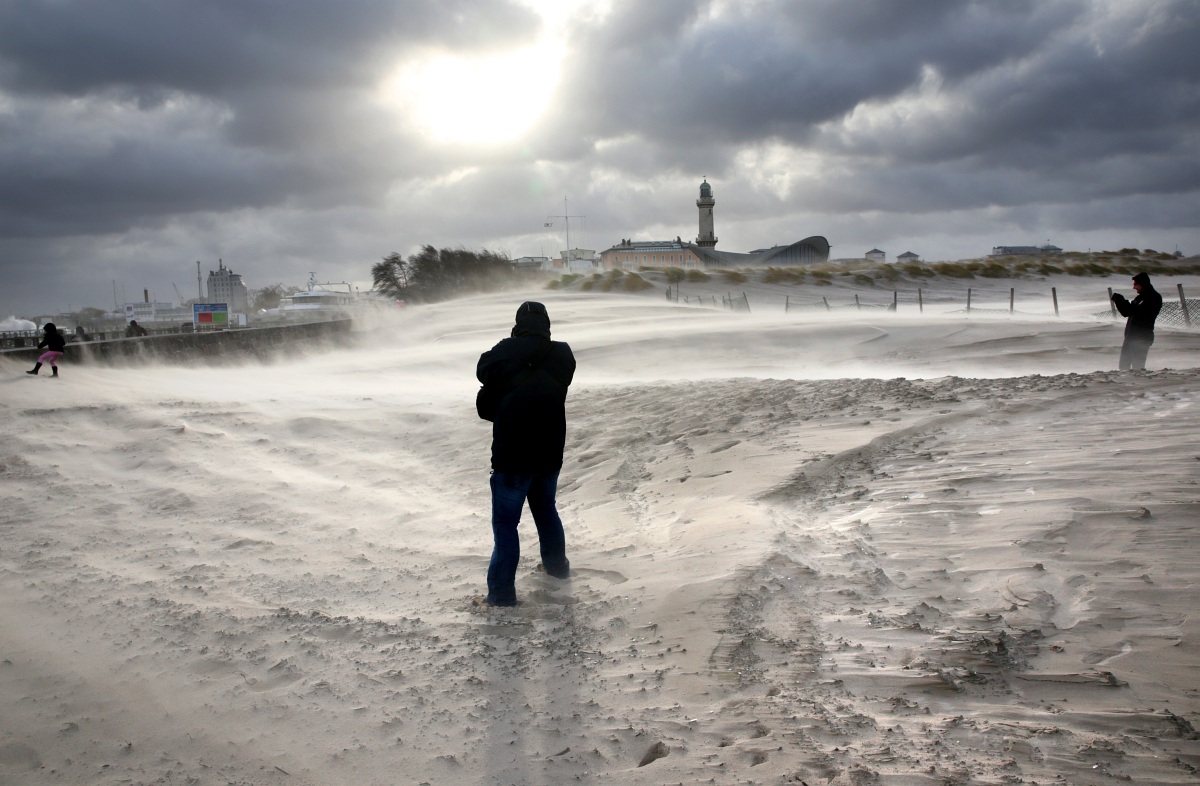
[(224, 47), (778, 69), (1044, 88), (123, 113)]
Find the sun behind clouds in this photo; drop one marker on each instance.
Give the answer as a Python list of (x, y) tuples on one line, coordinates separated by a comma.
[(480, 100), (489, 99)]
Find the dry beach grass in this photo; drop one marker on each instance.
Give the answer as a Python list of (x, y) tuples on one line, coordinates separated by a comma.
[(809, 548)]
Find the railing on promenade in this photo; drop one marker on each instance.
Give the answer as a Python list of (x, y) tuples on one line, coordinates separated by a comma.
[(17, 339)]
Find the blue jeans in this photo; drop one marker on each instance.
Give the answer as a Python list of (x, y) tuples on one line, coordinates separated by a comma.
[(510, 490)]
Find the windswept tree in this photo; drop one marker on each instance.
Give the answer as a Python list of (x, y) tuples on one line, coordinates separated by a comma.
[(391, 276), (432, 274)]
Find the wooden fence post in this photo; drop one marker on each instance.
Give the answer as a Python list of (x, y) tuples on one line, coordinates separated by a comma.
[(920, 301), (968, 300), (746, 300), (1187, 318), (1012, 294), (826, 302), (856, 303), (1112, 307), (894, 297), (786, 299), (1054, 297)]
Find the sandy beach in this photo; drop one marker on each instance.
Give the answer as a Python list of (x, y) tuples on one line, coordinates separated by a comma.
[(841, 547)]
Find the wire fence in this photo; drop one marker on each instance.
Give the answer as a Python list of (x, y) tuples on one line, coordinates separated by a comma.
[(1181, 313), (729, 301), (824, 305)]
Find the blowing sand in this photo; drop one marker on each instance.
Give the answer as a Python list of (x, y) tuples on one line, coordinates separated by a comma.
[(807, 548)]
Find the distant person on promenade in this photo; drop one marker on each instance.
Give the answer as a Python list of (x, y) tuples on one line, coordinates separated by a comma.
[(81, 334), (1139, 327), (525, 379), (55, 343), (134, 330)]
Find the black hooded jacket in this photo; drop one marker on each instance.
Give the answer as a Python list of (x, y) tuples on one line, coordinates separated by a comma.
[(529, 429), (1142, 310), (52, 339)]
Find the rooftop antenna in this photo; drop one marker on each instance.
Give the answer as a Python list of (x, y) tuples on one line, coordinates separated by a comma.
[(199, 283), (567, 220)]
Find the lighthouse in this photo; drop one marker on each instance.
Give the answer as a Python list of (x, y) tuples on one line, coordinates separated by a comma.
[(707, 238)]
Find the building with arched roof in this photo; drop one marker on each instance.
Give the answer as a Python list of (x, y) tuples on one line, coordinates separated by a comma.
[(632, 254)]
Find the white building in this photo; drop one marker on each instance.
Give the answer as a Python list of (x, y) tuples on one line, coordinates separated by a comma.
[(577, 260), (225, 286), (1015, 251), (532, 263), (148, 313), (875, 255)]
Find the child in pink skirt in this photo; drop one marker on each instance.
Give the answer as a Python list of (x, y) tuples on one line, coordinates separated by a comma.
[(54, 344)]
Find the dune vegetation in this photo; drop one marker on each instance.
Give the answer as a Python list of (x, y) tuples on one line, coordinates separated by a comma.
[(867, 273)]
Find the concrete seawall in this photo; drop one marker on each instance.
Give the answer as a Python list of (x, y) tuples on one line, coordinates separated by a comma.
[(262, 343)]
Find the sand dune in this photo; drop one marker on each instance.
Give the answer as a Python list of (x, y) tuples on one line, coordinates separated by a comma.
[(825, 548)]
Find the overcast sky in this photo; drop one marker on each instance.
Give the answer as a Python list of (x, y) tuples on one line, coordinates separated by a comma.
[(138, 137)]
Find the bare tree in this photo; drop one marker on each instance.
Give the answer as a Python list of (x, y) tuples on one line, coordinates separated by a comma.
[(268, 297)]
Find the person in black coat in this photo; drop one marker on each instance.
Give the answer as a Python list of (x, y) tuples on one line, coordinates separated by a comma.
[(55, 344), (525, 379), (1139, 327)]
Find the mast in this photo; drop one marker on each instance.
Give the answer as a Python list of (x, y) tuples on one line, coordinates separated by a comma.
[(567, 220)]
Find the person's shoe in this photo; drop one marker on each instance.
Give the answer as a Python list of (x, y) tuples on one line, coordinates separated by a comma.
[(34, 370), (55, 374), (559, 573)]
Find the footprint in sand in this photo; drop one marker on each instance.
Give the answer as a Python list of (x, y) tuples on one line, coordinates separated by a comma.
[(19, 757), (242, 543), (280, 675), (611, 576), (508, 631), (552, 592), (550, 597)]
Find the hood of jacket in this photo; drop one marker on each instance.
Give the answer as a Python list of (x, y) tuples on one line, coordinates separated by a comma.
[(1143, 279), (532, 320)]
